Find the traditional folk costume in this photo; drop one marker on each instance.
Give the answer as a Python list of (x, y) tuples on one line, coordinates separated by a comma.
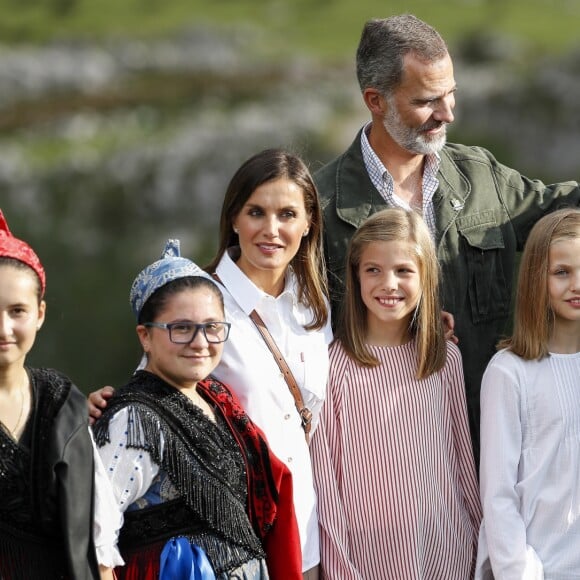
[(46, 477), (394, 470), (215, 489), (46, 487), (201, 488)]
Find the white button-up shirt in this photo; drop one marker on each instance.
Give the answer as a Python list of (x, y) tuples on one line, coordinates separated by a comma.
[(250, 370), (385, 185)]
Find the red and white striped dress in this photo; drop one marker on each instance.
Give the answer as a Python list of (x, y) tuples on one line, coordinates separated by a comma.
[(394, 470)]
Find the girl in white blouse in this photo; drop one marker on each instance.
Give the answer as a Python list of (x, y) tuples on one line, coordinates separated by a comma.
[(530, 417)]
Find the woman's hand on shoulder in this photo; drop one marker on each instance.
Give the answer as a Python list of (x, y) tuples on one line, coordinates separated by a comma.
[(97, 401)]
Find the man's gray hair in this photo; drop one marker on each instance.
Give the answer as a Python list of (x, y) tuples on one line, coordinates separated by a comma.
[(384, 43)]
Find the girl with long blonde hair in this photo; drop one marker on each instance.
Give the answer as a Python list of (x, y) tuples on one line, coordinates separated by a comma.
[(392, 457), (530, 416)]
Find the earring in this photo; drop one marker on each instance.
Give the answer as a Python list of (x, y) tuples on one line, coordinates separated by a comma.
[(305, 233), (236, 231)]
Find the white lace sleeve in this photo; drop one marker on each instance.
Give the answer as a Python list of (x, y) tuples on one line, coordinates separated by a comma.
[(125, 474)]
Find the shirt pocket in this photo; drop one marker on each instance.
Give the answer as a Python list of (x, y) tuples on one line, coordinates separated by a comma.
[(482, 245), (312, 368)]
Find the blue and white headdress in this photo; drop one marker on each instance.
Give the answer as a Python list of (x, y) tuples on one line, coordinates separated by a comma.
[(169, 267)]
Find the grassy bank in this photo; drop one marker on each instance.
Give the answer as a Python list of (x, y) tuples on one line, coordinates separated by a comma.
[(327, 28)]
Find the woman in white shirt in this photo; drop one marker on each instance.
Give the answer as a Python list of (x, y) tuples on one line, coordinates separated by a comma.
[(270, 260)]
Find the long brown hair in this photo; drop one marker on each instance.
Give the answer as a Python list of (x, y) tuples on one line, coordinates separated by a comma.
[(308, 263), (534, 317), (395, 224)]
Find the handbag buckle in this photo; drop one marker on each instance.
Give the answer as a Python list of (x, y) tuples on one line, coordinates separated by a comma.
[(306, 418)]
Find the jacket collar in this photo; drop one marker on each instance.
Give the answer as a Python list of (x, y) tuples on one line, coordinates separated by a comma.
[(451, 195), (357, 198)]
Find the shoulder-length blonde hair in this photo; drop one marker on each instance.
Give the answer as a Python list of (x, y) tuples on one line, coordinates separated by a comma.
[(308, 263), (534, 316), (395, 225)]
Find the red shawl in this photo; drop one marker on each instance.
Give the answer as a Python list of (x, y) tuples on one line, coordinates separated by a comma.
[(270, 499)]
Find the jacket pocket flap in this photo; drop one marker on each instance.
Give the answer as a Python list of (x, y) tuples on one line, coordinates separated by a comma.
[(481, 231)]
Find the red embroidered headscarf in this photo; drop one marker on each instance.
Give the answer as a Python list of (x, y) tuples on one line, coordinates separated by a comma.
[(11, 247)]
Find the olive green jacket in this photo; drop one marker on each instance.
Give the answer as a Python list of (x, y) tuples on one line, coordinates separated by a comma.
[(483, 211)]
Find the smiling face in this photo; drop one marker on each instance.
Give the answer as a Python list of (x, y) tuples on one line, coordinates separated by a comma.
[(564, 282), (390, 289), (21, 314), (183, 365), (419, 109), (270, 228)]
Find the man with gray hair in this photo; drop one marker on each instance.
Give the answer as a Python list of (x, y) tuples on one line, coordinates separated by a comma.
[(479, 211)]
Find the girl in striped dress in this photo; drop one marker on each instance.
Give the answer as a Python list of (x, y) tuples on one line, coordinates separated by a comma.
[(392, 457)]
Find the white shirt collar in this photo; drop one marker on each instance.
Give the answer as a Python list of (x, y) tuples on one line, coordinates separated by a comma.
[(248, 295)]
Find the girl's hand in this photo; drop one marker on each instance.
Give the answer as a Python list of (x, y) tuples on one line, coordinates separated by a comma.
[(97, 401), (449, 326)]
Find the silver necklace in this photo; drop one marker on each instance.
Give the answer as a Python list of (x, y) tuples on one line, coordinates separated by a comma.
[(14, 431)]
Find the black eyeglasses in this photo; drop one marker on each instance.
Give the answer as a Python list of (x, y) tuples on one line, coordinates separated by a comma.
[(185, 332)]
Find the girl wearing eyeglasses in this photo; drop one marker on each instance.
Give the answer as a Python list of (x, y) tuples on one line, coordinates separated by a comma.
[(200, 492), (270, 263)]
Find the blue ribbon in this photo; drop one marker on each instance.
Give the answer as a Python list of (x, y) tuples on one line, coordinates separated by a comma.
[(182, 560)]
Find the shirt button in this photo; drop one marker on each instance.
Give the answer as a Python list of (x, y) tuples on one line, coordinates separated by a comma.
[(289, 459), (287, 416)]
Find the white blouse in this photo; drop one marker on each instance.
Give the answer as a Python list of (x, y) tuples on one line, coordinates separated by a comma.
[(249, 368), (107, 518), (530, 467)]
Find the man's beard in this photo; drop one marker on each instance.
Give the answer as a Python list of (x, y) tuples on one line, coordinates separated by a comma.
[(415, 140)]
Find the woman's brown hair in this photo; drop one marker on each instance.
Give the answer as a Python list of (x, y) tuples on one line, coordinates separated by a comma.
[(308, 264)]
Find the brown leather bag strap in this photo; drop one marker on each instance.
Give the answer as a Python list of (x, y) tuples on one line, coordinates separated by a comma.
[(304, 412)]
